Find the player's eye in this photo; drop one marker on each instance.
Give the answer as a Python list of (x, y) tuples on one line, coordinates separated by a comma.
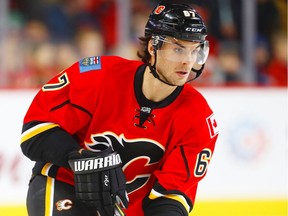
[(179, 50)]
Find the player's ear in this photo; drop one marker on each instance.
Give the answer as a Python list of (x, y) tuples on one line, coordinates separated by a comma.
[(151, 48)]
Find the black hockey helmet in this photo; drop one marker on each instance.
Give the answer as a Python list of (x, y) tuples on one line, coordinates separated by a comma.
[(176, 20)]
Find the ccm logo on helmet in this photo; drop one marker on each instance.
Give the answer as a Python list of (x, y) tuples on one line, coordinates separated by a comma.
[(193, 29)]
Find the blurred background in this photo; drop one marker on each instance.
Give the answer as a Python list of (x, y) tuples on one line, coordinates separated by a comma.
[(245, 81), (248, 38)]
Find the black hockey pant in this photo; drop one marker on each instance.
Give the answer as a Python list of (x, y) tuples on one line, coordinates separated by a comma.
[(49, 197)]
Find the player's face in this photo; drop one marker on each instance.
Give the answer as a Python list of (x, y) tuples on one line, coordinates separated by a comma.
[(175, 60)]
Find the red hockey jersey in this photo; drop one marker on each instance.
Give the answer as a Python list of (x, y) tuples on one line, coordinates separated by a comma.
[(99, 100)]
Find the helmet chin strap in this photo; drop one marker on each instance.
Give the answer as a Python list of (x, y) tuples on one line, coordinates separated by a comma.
[(156, 75), (198, 73)]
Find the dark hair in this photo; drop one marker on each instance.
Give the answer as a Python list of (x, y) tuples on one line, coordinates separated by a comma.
[(143, 54)]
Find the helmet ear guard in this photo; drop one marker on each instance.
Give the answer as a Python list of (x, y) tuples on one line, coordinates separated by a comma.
[(157, 41)]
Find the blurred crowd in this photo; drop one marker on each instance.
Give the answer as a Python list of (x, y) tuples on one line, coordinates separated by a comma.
[(44, 37)]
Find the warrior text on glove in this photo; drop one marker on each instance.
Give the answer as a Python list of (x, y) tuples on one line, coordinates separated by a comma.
[(99, 163)]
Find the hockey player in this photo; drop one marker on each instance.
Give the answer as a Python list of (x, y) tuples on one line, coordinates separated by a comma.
[(112, 136)]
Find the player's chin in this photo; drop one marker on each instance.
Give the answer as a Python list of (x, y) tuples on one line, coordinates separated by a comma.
[(179, 82)]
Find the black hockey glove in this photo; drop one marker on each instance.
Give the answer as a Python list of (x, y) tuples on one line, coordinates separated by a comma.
[(99, 180)]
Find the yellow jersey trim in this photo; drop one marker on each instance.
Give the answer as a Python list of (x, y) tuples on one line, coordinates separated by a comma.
[(37, 130), (179, 198)]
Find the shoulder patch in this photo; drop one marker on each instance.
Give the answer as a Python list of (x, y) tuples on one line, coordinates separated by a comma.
[(212, 125), (90, 63)]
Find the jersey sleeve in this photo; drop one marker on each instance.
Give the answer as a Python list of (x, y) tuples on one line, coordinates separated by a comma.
[(58, 115), (56, 103), (183, 168)]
